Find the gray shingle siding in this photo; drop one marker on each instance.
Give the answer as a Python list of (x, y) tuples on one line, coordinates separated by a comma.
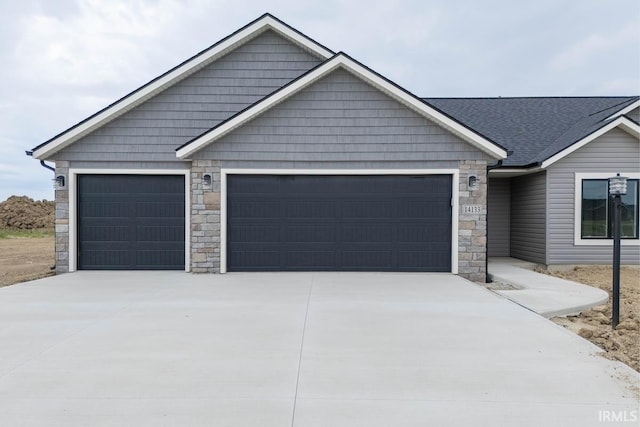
[(616, 151), (528, 217), (153, 130), (337, 120), (499, 217)]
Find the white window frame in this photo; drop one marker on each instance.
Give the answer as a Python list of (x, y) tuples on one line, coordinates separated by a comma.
[(73, 206), (455, 182), (577, 212)]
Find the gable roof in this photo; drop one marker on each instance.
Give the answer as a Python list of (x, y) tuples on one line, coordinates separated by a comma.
[(537, 129), (343, 61), (176, 74)]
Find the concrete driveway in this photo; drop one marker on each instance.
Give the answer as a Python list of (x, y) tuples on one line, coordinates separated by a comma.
[(293, 349)]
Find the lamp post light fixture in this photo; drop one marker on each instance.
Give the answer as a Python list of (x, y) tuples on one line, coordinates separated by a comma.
[(617, 189)]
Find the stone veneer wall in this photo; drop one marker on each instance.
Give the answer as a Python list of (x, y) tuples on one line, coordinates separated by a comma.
[(205, 217), (472, 228), (62, 220)]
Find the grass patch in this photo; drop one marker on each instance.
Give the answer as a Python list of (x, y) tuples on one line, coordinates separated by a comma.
[(13, 234)]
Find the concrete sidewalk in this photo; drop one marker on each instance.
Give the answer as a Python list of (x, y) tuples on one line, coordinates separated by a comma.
[(546, 295), (293, 350)]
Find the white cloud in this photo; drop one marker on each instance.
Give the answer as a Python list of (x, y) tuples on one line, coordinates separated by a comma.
[(101, 44), (592, 47)]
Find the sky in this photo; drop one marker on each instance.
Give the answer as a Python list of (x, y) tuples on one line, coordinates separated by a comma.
[(63, 60)]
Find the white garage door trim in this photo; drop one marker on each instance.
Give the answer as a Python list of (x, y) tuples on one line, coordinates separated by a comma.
[(73, 206), (455, 178)]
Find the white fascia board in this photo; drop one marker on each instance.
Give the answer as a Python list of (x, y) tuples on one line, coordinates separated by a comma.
[(191, 66), (625, 110), (509, 172), (622, 122), (343, 61)]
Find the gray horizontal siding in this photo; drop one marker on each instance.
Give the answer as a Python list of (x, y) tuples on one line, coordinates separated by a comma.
[(499, 217), (129, 165), (528, 218), (153, 130), (617, 151), (341, 119), (635, 114)]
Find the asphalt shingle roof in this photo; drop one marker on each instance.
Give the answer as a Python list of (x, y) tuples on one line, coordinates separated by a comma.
[(534, 129)]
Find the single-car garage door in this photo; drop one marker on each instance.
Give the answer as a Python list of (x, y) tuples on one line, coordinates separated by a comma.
[(338, 223), (131, 222)]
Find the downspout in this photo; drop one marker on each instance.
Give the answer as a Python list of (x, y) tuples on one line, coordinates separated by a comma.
[(486, 258), (42, 163), (52, 169)]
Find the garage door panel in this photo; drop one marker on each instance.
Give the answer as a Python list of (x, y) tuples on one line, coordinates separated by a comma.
[(256, 233), (104, 233), (376, 233), (95, 207), (426, 232), (160, 209), (306, 208), (367, 259), (255, 208), (423, 209), (369, 208), (131, 222), (415, 260), (159, 233), (311, 259), (310, 233), (257, 259), (352, 223), (160, 259)]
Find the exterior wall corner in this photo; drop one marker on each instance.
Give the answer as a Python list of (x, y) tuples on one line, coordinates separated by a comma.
[(472, 226)]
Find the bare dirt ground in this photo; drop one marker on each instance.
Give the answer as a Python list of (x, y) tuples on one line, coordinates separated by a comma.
[(25, 258), (623, 343)]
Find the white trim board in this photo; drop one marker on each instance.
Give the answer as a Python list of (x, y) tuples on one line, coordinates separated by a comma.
[(73, 206), (625, 110), (624, 123), (455, 183), (342, 61), (577, 210), (182, 71)]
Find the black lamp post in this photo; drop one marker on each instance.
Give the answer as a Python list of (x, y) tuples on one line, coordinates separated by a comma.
[(617, 189)]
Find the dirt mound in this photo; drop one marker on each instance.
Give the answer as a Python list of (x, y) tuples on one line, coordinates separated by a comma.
[(24, 213)]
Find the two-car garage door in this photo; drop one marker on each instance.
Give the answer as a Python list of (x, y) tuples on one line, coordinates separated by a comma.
[(339, 223)]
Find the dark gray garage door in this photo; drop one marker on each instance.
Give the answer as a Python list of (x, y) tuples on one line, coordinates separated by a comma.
[(131, 222), (338, 223)]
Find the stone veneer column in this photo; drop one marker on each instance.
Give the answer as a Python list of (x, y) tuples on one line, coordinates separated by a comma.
[(62, 220), (205, 217), (472, 228)]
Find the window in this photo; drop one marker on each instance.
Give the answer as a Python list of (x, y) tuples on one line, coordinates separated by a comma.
[(596, 221)]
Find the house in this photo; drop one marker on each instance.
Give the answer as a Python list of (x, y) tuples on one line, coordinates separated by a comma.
[(270, 152)]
